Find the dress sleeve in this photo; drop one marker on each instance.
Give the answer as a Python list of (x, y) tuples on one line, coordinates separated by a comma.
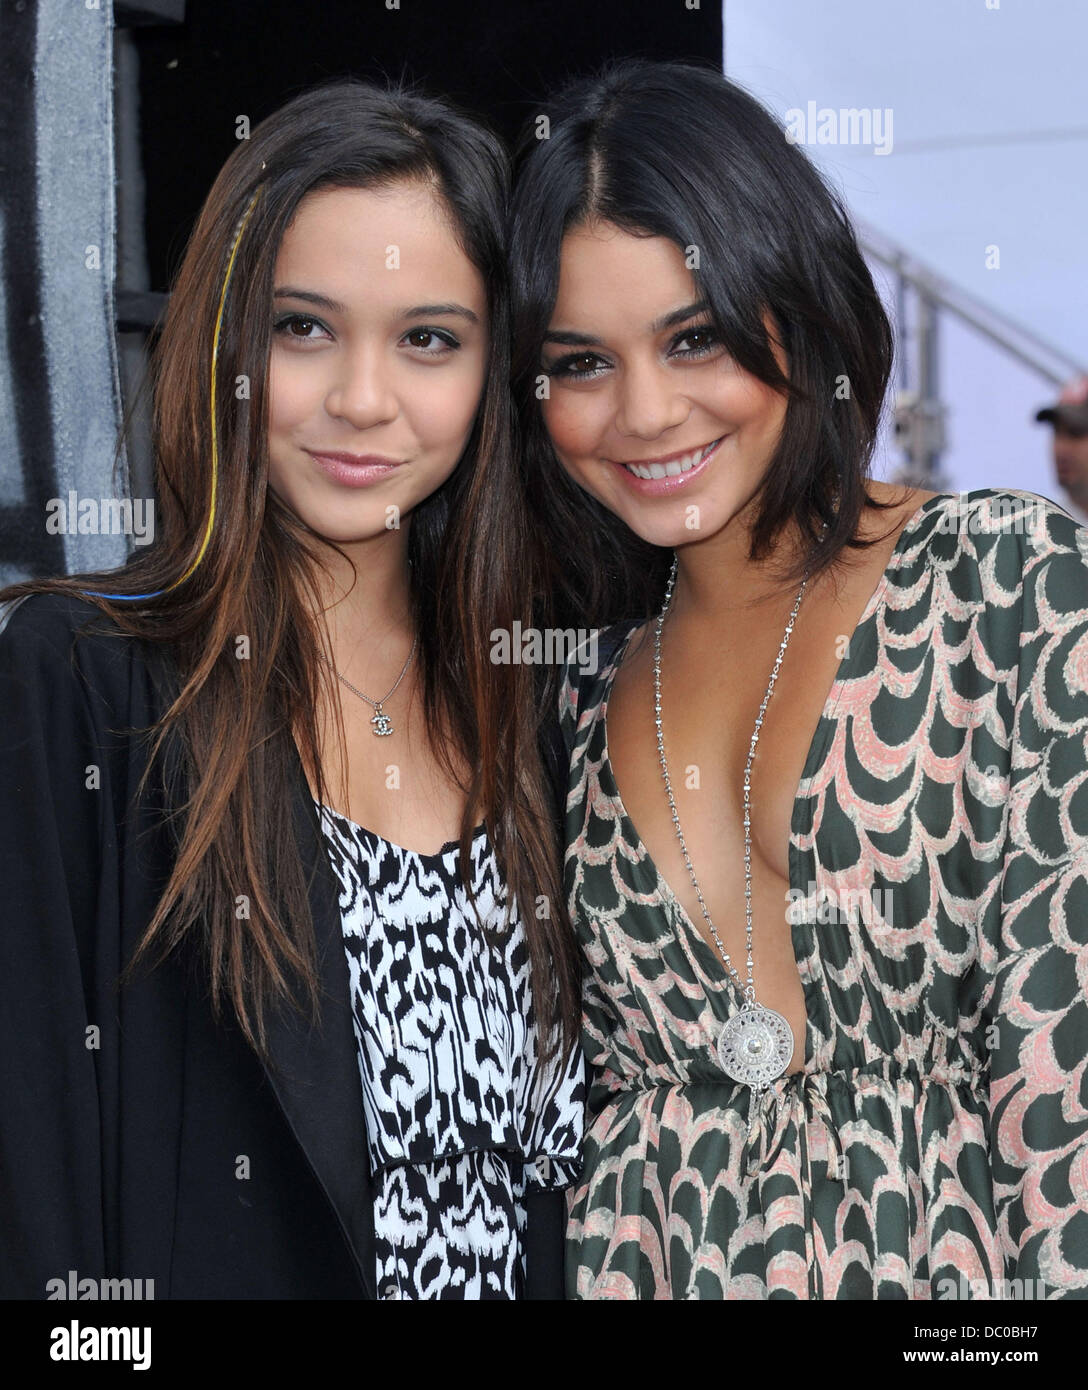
[(588, 661), (596, 1014), (50, 854), (568, 705), (1036, 948)]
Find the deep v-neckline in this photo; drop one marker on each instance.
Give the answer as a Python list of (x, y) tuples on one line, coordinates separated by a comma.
[(824, 724)]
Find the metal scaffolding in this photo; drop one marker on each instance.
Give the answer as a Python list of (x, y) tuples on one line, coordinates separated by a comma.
[(919, 410)]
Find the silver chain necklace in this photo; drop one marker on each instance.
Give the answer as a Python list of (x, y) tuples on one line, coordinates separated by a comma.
[(755, 1045), (383, 725)]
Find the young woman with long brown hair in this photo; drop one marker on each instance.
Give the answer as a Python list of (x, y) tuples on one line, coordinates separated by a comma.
[(289, 998)]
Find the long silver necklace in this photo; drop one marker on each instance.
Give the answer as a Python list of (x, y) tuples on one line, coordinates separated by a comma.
[(383, 725), (755, 1045)]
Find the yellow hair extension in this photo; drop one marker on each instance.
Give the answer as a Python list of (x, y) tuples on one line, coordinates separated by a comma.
[(215, 435)]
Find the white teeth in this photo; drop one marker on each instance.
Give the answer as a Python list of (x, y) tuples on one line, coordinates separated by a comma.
[(675, 466)]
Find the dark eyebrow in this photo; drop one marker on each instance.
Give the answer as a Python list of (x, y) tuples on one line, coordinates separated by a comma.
[(425, 311), (416, 311), (670, 320), (679, 316), (322, 301)]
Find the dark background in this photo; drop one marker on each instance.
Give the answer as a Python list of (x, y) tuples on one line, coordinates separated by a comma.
[(175, 76), (495, 57)]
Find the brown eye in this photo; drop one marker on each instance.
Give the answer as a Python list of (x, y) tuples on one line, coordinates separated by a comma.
[(581, 366), (431, 342), (697, 342), (298, 326)]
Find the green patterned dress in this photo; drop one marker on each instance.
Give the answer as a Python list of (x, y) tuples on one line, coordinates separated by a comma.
[(936, 1143)]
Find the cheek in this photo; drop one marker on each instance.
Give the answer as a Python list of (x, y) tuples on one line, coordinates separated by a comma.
[(443, 406), (292, 394), (575, 423), (756, 408)]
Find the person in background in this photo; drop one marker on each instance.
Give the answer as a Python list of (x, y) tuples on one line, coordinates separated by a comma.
[(1069, 416)]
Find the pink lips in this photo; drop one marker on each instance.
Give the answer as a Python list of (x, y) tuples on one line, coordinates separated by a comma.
[(657, 487), (355, 470)]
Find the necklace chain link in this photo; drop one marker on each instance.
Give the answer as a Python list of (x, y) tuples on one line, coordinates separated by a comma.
[(749, 988), (382, 722)]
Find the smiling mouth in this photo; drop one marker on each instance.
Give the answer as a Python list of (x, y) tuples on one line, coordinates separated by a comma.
[(674, 467)]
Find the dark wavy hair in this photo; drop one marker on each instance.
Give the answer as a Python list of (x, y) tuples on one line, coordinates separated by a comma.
[(674, 149), (234, 721)]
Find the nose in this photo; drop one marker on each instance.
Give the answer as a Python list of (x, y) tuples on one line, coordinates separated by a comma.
[(362, 389), (649, 402)]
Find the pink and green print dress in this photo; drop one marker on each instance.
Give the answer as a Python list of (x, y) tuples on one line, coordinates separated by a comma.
[(936, 1143)]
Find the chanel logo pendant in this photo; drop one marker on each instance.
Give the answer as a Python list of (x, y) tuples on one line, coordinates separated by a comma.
[(755, 1046), (383, 725)]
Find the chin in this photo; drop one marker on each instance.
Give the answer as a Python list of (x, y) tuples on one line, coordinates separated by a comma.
[(667, 526), (346, 526), (669, 533), (355, 532)]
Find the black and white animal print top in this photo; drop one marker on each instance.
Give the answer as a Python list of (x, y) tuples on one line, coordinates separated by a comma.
[(461, 1118)]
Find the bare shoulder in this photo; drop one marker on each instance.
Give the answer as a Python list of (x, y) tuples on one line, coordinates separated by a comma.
[(852, 578), (891, 520)]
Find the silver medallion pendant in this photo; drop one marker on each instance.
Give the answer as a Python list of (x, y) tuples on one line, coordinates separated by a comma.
[(383, 725), (755, 1046)]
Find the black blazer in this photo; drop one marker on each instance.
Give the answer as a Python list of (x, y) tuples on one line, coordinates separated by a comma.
[(129, 1120)]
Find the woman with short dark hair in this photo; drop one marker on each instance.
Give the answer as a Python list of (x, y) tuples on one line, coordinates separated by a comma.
[(827, 817)]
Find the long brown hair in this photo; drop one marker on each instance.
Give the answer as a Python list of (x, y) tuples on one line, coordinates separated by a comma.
[(233, 721)]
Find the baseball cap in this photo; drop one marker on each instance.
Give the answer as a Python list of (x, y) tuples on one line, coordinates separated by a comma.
[(1071, 407)]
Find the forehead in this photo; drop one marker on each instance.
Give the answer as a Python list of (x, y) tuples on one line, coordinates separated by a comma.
[(390, 239), (608, 274)]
